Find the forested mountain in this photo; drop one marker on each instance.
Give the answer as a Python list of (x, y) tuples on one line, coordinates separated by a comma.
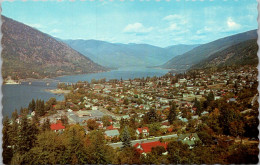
[(244, 53), (121, 55), (29, 53), (186, 60)]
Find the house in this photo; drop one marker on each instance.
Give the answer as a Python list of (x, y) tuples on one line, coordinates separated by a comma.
[(144, 148), (189, 139), (143, 130), (110, 127), (111, 133), (57, 127)]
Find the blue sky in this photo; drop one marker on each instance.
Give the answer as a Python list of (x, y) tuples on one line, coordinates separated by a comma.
[(164, 23)]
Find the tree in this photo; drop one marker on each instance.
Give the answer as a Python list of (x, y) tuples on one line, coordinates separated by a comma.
[(75, 144), (98, 152), (154, 129), (7, 146), (106, 120), (237, 129), (158, 150), (197, 105), (92, 124), (31, 106), (151, 116), (26, 136), (64, 120), (172, 114), (46, 125), (50, 148), (178, 152), (14, 115), (125, 138), (127, 155)]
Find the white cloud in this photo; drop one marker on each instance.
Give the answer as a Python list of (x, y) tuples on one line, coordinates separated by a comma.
[(137, 28), (173, 26), (176, 22), (172, 17), (232, 25), (205, 30), (53, 31), (37, 26)]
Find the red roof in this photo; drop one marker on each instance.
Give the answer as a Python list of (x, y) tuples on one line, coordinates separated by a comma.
[(147, 147), (57, 126), (110, 127), (143, 128)]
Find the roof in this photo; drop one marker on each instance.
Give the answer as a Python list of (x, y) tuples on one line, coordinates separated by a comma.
[(189, 141), (147, 147), (112, 133), (57, 126), (143, 128), (110, 127)]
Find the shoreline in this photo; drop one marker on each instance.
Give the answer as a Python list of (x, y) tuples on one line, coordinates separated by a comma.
[(57, 91)]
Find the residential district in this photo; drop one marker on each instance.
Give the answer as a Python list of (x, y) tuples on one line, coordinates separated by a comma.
[(211, 114)]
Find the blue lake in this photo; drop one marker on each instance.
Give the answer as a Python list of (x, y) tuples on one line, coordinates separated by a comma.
[(17, 96)]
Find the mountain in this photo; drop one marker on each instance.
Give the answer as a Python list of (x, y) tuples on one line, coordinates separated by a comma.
[(176, 50), (121, 55), (29, 53), (244, 53), (194, 56)]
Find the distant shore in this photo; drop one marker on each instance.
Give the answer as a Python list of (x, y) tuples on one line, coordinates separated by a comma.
[(11, 82), (58, 91)]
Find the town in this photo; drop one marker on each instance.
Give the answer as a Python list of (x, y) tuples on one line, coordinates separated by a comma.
[(200, 107)]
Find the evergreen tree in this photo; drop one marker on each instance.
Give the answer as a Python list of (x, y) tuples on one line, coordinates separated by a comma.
[(31, 106), (198, 107), (151, 116), (46, 125), (7, 147), (172, 114), (24, 141), (125, 138), (13, 133), (14, 115)]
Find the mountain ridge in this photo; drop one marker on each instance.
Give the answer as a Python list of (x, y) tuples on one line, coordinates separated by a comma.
[(244, 53), (194, 56), (30, 53), (132, 54)]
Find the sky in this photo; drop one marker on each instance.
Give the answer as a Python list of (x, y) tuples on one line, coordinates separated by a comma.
[(160, 23)]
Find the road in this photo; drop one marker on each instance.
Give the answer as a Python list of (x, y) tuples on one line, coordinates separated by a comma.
[(133, 142), (254, 99)]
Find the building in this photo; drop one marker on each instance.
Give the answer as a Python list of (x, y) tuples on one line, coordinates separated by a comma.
[(189, 139), (57, 127), (111, 133), (144, 148), (144, 131)]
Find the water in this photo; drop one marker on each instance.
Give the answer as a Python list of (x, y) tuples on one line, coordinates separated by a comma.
[(17, 96), (124, 73)]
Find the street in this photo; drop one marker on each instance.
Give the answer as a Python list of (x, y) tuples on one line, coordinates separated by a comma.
[(133, 142)]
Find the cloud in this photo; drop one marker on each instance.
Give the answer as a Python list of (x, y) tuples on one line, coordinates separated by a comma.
[(232, 25), (172, 17), (137, 28), (54, 31), (205, 30), (176, 23), (37, 26)]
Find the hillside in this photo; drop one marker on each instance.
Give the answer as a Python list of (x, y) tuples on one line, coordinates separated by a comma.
[(29, 53), (176, 50), (186, 60), (244, 53), (121, 55)]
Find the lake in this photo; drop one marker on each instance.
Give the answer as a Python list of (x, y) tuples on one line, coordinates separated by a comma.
[(17, 96)]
